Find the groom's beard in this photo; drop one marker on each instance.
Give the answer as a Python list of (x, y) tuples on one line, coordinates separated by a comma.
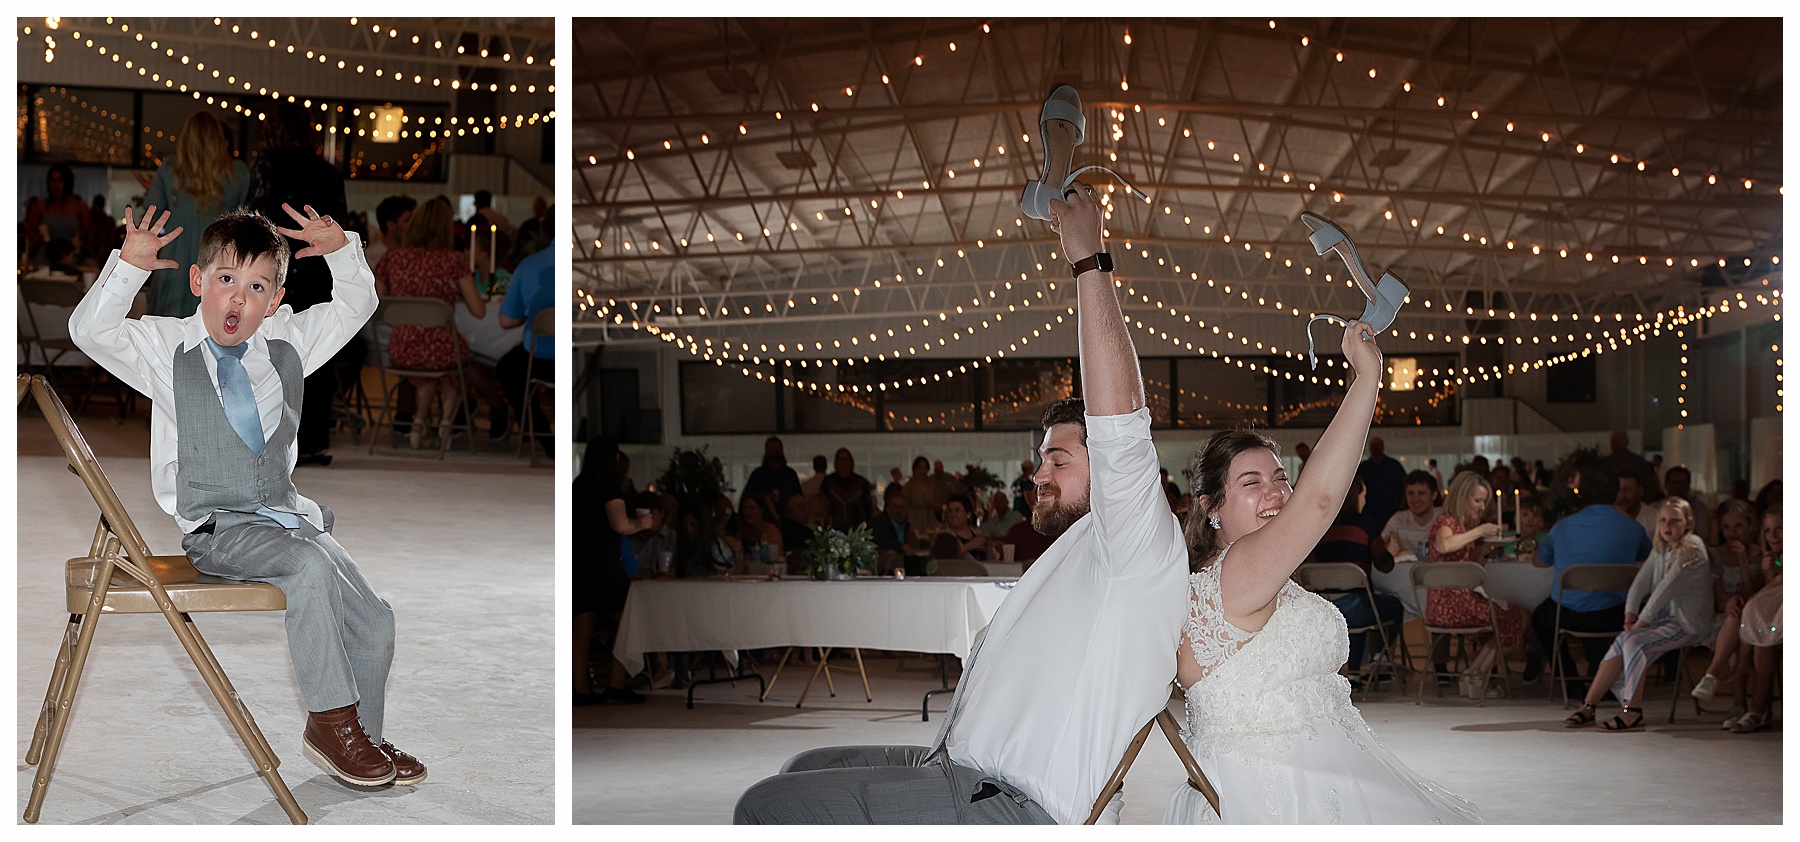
[(1051, 516)]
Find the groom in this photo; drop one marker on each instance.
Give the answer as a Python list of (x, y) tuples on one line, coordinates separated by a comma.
[(1079, 655)]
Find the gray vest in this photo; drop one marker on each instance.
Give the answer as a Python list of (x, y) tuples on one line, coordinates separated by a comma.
[(216, 474)]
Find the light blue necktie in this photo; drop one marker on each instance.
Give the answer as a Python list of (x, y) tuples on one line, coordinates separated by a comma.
[(240, 409)]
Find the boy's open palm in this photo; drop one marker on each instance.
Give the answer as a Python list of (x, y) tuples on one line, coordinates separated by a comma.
[(142, 243), (320, 233)]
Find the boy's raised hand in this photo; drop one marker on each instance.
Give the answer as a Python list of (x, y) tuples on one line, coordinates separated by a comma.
[(320, 233), (142, 241)]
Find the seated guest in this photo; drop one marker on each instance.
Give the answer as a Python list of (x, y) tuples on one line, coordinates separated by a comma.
[(1351, 539), (648, 545), (1001, 516), (1598, 533), (958, 538), (753, 529), (1456, 536), (894, 536), (1531, 528), (1736, 559), (1028, 543), (1409, 529), (1678, 481), (796, 524), (699, 555), (1669, 607), (1751, 636)]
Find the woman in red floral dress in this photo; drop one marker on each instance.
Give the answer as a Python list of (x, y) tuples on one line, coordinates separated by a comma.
[(428, 265), (1456, 536)]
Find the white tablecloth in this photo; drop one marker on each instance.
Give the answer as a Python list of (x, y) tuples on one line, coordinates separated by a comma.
[(487, 339), (1519, 583), (911, 615)]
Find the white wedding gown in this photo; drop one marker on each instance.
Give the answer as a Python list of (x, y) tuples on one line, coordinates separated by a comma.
[(1271, 724)]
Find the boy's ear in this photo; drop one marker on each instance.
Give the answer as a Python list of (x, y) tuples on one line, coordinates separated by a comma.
[(194, 279), (275, 303)]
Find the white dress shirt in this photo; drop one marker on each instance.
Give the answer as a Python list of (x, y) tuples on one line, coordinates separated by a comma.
[(141, 352), (1080, 655)]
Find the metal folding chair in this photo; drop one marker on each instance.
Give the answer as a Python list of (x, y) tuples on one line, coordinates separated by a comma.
[(120, 576), (1429, 576), (422, 313), (1582, 578), (542, 324), (1195, 777), (1344, 576)]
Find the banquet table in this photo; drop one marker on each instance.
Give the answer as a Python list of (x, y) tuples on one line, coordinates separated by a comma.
[(487, 339), (1514, 581), (934, 615)]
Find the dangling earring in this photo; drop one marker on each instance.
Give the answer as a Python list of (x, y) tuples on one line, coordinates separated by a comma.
[(1213, 522)]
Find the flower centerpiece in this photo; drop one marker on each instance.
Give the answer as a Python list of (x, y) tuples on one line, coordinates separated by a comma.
[(835, 554)]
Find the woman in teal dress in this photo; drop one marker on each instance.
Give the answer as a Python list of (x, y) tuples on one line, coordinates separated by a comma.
[(196, 185)]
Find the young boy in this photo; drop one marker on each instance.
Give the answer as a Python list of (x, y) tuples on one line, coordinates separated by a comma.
[(225, 388)]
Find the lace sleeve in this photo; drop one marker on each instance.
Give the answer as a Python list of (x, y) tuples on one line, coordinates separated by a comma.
[(1208, 637)]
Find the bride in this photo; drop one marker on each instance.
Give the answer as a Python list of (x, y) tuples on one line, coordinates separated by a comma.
[(1268, 716)]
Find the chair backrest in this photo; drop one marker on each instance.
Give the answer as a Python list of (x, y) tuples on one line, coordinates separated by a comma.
[(1448, 574), (955, 567), (82, 462), (49, 293), (544, 323), (1331, 576), (415, 312), (1599, 577)]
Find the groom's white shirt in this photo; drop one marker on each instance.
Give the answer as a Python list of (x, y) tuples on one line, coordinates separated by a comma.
[(1081, 653)]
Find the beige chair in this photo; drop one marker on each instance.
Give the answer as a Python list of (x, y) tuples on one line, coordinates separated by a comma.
[(44, 292), (1582, 578), (1427, 577), (422, 313), (954, 567), (120, 576), (1344, 576), (1195, 777), (542, 324)]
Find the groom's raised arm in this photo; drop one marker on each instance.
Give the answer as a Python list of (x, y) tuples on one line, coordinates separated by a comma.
[(1124, 486), (1110, 382)]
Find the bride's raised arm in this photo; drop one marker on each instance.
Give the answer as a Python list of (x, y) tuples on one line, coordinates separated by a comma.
[(1263, 560)]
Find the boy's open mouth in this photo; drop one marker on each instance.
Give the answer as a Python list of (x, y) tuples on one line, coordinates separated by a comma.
[(231, 322)]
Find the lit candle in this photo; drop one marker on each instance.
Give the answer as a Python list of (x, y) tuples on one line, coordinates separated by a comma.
[(493, 246), (1516, 520), (471, 247)]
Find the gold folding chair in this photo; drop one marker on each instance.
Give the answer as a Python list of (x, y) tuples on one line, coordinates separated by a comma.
[(1429, 576), (397, 311), (120, 576), (1344, 576), (1583, 578), (542, 324), (1195, 777)]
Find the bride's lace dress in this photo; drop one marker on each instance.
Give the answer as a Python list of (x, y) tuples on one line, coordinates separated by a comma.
[(1270, 721)]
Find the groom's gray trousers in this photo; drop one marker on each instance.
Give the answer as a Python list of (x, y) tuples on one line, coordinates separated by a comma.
[(887, 785)]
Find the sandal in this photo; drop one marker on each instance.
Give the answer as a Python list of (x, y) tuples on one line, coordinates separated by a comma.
[(1617, 723), (1582, 717)]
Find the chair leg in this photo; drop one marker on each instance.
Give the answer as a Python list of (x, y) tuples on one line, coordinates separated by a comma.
[(59, 722), (771, 685), (870, 696), (213, 663), (58, 674), (387, 410), (234, 710)]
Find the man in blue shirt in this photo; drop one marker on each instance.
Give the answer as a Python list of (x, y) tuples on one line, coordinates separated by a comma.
[(533, 288), (1597, 534)]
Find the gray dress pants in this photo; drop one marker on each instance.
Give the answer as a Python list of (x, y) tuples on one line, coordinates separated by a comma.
[(340, 634), (883, 785)]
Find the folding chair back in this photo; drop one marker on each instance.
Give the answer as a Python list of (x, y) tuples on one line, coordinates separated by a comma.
[(1196, 778), (415, 312), (120, 576)]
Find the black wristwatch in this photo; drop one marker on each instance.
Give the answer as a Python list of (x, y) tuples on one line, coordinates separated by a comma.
[(1098, 260)]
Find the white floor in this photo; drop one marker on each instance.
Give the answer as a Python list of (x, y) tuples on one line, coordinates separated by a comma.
[(658, 763), (462, 549)]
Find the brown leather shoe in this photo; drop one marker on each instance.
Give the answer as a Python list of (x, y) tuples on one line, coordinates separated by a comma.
[(336, 740), (407, 768)]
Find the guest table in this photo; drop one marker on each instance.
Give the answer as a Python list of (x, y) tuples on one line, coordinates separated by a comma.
[(488, 341), (936, 615), (1517, 582)]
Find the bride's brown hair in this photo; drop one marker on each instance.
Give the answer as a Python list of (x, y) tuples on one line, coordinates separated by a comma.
[(1208, 470)]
